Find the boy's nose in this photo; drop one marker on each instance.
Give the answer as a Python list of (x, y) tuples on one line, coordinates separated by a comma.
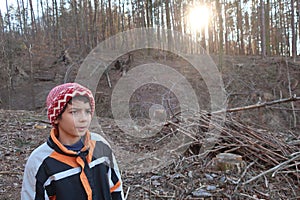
[(83, 116)]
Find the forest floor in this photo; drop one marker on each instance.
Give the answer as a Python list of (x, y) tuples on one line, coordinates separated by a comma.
[(267, 139)]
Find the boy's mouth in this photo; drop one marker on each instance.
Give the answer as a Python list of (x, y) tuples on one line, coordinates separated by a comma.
[(81, 128)]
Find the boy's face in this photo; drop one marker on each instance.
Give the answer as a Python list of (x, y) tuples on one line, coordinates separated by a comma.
[(74, 122)]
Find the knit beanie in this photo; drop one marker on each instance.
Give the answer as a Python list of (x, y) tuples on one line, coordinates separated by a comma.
[(59, 96)]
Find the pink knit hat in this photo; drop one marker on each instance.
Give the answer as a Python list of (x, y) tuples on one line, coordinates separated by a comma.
[(61, 94)]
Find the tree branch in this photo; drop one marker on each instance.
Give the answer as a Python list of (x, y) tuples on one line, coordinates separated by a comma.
[(259, 105), (277, 167)]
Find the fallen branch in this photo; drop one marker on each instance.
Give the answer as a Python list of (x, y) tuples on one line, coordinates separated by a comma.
[(290, 92), (242, 176), (277, 167), (126, 196), (154, 193), (185, 132), (259, 105), (9, 172)]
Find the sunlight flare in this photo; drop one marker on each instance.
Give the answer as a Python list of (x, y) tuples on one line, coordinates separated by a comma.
[(198, 17)]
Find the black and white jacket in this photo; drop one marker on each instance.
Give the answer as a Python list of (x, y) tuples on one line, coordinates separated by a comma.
[(53, 172)]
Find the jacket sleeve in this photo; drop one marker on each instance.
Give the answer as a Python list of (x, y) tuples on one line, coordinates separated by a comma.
[(28, 185), (31, 188), (115, 181)]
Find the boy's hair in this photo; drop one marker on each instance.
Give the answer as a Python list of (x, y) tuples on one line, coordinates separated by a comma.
[(60, 95)]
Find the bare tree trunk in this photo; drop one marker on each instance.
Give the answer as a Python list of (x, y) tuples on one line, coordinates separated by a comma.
[(148, 23), (54, 28), (185, 13), (263, 29), (32, 95), (95, 24), (111, 27), (298, 17), (172, 14), (141, 14), (75, 21), (168, 16), (220, 17), (57, 24), (294, 50), (150, 8), (242, 25), (63, 24), (239, 25), (81, 27), (178, 16), (286, 26), (129, 20), (9, 62), (203, 39), (102, 21), (275, 31), (290, 93), (24, 18), (123, 16), (1, 27), (158, 19), (37, 21), (120, 17), (281, 27), (133, 13), (254, 28), (47, 20), (248, 33), (168, 20), (19, 17), (85, 20), (33, 24), (162, 23), (267, 28), (43, 15), (226, 30)]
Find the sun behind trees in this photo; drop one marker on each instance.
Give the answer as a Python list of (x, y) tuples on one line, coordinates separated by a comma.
[(252, 27)]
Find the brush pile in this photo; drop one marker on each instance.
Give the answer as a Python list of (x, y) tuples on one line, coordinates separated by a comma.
[(267, 165)]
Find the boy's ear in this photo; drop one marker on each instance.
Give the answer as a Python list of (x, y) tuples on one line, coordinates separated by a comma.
[(56, 122)]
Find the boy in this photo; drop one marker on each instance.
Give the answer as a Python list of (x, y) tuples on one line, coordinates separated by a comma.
[(73, 164)]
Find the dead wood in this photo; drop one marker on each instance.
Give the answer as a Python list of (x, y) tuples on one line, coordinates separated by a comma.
[(260, 148), (259, 105), (276, 168)]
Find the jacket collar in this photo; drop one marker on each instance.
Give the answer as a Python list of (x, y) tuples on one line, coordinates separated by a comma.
[(55, 144)]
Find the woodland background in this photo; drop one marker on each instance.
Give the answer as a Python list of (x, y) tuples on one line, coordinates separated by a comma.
[(39, 34), (235, 27)]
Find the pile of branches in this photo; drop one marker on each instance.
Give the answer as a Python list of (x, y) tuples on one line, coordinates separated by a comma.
[(271, 159), (270, 169)]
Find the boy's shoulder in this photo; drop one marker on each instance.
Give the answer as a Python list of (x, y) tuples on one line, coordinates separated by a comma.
[(102, 148), (97, 137), (42, 150), (39, 154)]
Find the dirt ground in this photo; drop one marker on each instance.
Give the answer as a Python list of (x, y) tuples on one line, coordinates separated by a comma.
[(247, 80)]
